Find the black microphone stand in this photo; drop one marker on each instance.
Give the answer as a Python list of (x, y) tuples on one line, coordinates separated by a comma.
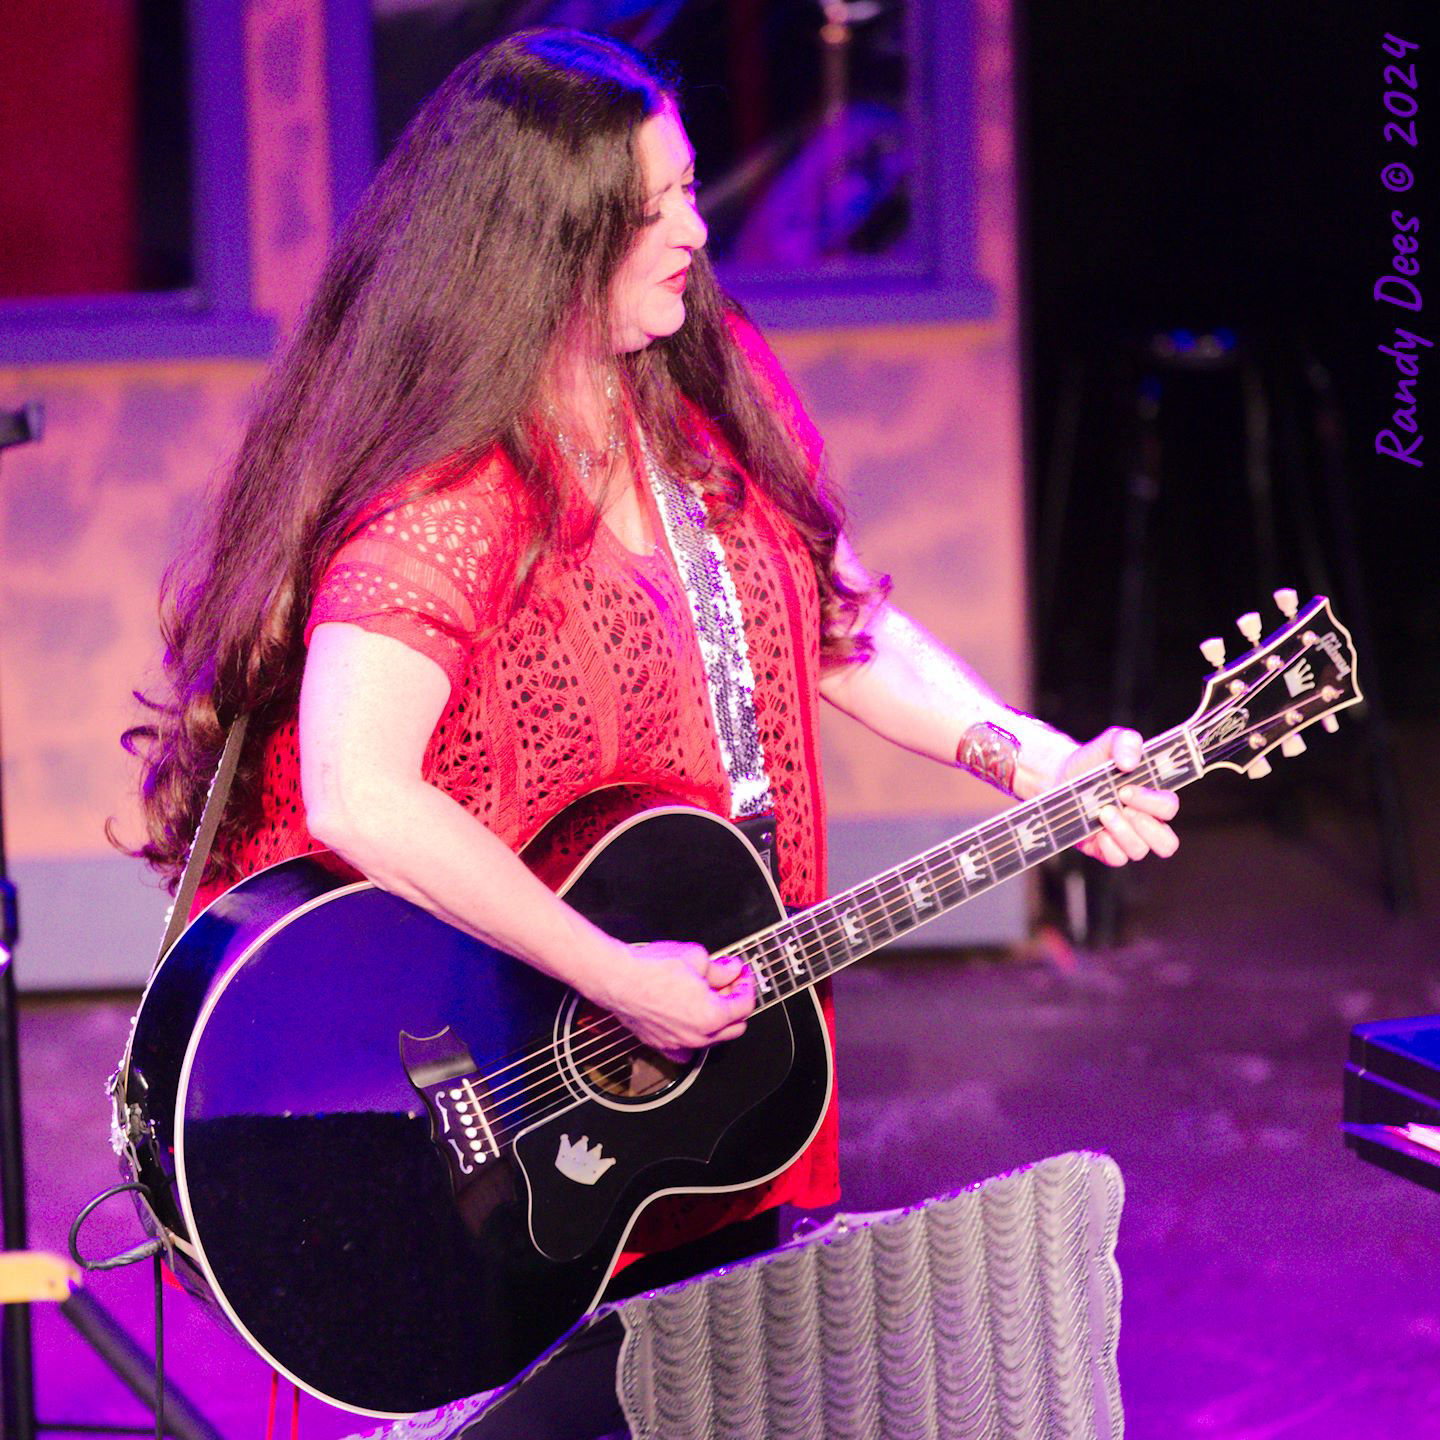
[(17, 1364), (107, 1338)]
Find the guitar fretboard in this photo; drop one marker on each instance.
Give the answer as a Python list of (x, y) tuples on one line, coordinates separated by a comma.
[(794, 954)]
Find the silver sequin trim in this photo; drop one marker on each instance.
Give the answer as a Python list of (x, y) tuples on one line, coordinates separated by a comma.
[(720, 629)]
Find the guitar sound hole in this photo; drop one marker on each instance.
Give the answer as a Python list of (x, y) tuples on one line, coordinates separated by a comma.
[(612, 1061)]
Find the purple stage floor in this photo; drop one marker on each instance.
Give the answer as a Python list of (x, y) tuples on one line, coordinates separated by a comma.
[(1275, 1288)]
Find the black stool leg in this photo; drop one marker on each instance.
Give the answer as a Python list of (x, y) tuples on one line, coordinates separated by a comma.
[(1396, 856), (1134, 626)]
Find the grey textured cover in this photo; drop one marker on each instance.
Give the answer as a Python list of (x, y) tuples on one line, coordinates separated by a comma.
[(992, 1312)]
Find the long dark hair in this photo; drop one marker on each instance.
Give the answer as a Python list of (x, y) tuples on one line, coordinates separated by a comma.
[(494, 228)]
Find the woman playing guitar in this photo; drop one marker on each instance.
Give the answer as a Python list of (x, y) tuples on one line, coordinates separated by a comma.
[(440, 583)]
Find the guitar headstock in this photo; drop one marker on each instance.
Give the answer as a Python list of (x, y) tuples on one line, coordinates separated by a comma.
[(1301, 674)]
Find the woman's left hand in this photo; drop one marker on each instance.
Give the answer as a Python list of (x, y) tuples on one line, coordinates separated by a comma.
[(1139, 825)]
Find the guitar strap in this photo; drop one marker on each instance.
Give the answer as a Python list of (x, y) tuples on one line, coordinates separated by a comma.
[(204, 835), (720, 629)]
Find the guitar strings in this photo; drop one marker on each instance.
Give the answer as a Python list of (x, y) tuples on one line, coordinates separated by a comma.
[(617, 1042), (823, 927), (1001, 830), (609, 1044)]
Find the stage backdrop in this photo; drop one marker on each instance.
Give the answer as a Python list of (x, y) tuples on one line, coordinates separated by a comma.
[(922, 422)]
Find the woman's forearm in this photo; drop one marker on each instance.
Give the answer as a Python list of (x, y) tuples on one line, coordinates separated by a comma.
[(415, 841), (919, 695), (368, 708), (412, 839)]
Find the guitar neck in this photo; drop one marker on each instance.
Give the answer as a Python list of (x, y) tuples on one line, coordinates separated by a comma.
[(796, 953)]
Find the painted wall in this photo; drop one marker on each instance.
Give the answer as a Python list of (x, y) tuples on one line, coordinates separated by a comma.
[(922, 424)]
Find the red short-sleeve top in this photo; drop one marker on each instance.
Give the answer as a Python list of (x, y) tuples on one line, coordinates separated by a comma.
[(594, 680)]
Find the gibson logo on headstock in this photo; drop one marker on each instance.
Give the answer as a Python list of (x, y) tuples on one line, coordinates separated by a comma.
[(1330, 644)]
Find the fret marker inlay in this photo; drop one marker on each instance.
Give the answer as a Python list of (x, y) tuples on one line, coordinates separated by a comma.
[(1167, 765), (921, 894), (1031, 834), (969, 868)]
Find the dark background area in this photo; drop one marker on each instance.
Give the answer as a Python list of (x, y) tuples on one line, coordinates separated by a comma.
[(1200, 166)]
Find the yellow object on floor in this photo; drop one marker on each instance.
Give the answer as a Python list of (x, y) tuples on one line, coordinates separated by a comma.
[(27, 1275)]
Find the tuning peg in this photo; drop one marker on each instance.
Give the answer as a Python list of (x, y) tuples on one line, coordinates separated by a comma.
[(1292, 745), (1329, 724), (1258, 769), (1287, 601), (1249, 624), (1213, 650)]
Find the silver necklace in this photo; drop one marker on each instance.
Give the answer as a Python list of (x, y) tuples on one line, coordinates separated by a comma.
[(584, 459)]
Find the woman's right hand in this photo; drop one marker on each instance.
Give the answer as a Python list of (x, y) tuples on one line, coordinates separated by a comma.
[(676, 999)]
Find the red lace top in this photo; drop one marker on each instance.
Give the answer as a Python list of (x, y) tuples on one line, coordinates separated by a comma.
[(595, 680)]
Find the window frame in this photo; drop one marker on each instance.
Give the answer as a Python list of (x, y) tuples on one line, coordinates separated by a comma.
[(946, 284), (215, 317)]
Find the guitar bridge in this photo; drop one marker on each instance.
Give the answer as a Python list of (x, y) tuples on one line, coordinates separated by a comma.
[(444, 1074)]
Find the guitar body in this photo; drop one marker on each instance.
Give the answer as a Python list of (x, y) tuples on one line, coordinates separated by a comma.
[(293, 1090), (403, 1163)]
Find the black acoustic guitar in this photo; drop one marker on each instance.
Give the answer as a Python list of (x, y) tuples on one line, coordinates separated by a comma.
[(402, 1163)]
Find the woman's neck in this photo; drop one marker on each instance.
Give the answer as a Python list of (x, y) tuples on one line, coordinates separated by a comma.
[(581, 406)]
